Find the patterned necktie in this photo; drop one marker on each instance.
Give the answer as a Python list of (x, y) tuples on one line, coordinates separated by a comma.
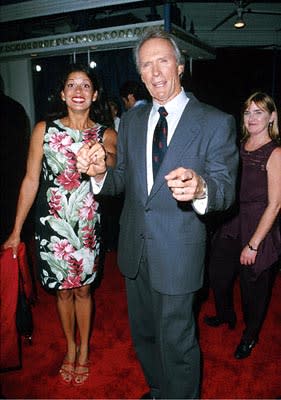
[(159, 145)]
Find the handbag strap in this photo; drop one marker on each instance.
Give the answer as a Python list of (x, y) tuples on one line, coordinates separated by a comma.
[(21, 282)]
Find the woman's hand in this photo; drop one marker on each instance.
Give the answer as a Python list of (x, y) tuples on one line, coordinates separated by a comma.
[(91, 159), (248, 256), (13, 241)]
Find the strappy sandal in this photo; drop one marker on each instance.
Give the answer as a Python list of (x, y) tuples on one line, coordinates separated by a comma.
[(66, 372), (82, 375)]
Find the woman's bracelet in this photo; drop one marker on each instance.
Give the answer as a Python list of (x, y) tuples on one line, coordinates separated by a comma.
[(251, 247)]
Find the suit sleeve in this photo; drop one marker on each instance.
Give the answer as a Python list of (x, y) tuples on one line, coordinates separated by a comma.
[(221, 164)]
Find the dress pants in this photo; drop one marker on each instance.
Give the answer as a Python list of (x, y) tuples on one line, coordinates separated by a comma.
[(256, 294), (163, 332), (224, 267)]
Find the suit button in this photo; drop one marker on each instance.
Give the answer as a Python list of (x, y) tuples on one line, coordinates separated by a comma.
[(142, 236), (147, 209)]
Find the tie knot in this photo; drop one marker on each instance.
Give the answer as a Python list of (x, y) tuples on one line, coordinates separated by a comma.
[(162, 111)]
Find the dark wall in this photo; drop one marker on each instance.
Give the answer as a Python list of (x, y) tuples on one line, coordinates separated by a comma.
[(235, 74)]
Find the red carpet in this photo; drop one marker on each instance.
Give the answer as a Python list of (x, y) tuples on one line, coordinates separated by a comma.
[(115, 372)]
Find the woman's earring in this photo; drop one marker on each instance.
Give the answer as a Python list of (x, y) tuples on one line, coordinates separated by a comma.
[(270, 125)]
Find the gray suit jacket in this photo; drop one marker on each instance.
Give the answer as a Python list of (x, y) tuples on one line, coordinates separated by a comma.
[(173, 233)]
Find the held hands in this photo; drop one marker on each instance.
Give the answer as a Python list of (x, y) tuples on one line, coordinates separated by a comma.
[(91, 159), (185, 184)]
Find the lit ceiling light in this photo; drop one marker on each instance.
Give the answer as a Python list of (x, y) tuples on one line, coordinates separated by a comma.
[(239, 23)]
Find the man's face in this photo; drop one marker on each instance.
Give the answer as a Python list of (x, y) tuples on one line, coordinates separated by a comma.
[(159, 70)]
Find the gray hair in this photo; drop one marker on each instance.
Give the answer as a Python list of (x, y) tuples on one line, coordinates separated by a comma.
[(156, 33)]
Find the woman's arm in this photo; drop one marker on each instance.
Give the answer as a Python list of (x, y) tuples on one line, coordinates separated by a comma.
[(29, 186), (248, 255), (110, 145)]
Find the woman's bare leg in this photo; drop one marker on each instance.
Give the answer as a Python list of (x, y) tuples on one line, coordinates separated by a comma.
[(66, 310), (83, 309)]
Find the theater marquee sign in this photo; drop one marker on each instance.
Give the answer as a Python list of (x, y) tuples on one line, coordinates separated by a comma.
[(99, 40)]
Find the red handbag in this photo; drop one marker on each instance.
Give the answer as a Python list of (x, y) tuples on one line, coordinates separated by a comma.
[(10, 357)]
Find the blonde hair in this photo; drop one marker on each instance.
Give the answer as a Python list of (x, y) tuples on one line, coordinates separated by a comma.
[(266, 103)]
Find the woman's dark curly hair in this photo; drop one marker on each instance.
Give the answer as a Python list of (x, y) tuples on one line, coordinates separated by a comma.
[(99, 112)]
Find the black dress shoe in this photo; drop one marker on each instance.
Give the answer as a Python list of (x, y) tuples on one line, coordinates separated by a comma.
[(215, 321), (244, 349)]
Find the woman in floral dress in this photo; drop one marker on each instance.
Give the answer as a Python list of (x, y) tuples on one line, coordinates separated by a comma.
[(67, 214)]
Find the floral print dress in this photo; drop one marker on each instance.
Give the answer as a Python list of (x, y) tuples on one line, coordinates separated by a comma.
[(67, 213)]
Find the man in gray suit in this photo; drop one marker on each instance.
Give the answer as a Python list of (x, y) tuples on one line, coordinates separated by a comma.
[(162, 232)]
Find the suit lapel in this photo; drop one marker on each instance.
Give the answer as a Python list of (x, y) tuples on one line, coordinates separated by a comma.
[(186, 132), (139, 146)]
